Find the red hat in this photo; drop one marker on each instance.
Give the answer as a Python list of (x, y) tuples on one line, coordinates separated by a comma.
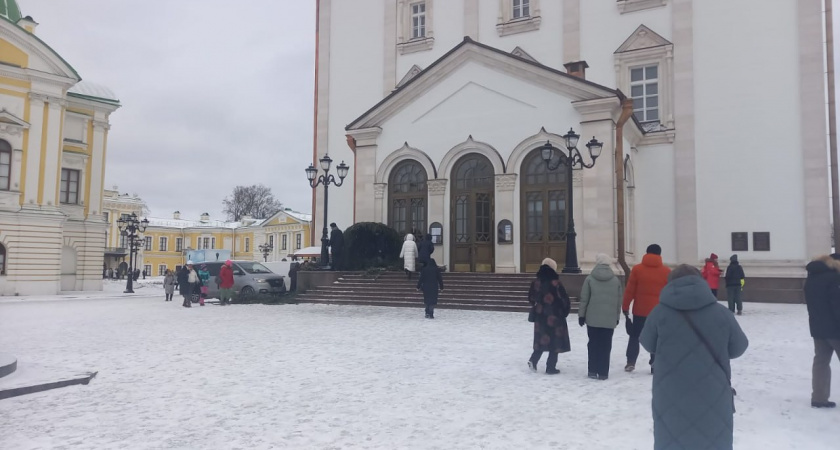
[(228, 263), (713, 256)]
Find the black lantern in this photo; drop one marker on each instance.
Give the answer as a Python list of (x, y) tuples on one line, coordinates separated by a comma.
[(131, 228), (326, 180)]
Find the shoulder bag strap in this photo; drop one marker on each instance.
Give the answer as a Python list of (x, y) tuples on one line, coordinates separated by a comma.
[(705, 343)]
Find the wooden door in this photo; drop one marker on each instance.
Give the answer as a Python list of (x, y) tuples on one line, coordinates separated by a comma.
[(472, 203), (543, 210)]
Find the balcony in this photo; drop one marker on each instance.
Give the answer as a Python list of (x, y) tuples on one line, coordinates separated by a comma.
[(116, 251)]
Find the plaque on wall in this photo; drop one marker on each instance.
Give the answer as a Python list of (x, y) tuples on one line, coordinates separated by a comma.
[(740, 241), (436, 232), (761, 241), (505, 232)]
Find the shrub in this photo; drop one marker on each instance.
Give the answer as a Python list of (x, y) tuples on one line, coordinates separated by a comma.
[(371, 244)]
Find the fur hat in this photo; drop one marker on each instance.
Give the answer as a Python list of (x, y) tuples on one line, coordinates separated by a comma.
[(654, 249), (713, 256), (603, 258), (684, 270), (550, 263)]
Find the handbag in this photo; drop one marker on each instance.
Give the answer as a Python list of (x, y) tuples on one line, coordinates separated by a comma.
[(532, 315), (714, 355), (628, 325)]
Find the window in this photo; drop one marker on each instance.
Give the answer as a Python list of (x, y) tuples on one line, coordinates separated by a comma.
[(247, 244), (271, 241), (70, 186), (179, 244), (418, 20), (2, 260), (297, 241), (213, 243), (5, 165), (206, 243), (148, 243), (147, 269), (123, 241), (521, 9), (644, 89), (161, 270), (107, 217), (408, 197), (283, 246), (164, 244)]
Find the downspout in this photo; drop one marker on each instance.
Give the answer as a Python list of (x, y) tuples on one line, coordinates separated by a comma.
[(315, 120), (351, 142), (832, 120), (626, 113)]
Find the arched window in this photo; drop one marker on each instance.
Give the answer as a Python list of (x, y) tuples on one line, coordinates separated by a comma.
[(2, 259), (408, 197), (5, 165)]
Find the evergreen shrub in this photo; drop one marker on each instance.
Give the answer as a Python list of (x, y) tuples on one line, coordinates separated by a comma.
[(370, 245)]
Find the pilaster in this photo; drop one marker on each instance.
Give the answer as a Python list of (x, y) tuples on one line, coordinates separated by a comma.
[(37, 104), (471, 19), (365, 147), (52, 162), (571, 31), (379, 209), (504, 210), (437, 213), (595, 216), (94, 206)]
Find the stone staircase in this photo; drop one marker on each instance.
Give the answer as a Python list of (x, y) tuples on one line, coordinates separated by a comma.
[(472, 291)]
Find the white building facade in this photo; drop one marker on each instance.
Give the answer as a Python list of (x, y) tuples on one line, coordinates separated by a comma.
[(441, 107)]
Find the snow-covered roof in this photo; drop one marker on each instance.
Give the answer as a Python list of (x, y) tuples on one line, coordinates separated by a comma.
[(299, 215), (180, 223), (94, 90)]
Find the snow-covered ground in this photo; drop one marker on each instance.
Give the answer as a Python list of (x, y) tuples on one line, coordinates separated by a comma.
[(308, 376)]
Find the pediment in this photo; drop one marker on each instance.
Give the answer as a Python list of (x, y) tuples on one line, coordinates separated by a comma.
[(641, 39), (474, 93), (520, 53), (7, 118), (413, 72), (280, 218), (33, 55), (490, 59)]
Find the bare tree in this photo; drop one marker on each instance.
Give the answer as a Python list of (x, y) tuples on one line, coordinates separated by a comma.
[(256, 201)]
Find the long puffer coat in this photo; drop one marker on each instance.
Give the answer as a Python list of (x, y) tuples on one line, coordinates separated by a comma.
[(692, 399), (551, 306), (409, 253), (430, 282), (600, 298), (822, 294)]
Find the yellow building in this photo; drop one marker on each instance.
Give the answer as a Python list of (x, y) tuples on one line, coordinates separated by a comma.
[(169, 243), (116, 206), (53, 135)]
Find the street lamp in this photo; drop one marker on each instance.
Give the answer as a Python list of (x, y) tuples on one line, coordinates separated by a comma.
[(326, 179), (131, 227), (266, 250), (574, 160)]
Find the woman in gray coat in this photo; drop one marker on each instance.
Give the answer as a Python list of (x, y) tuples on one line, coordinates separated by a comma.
[(600, 310), (694, 337)]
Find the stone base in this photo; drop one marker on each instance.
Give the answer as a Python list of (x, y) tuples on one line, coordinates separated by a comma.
[(8, 364)]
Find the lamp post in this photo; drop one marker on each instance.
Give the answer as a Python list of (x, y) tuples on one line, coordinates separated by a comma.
[(574, 160), (326, 179), (265, 249), (131, 227)]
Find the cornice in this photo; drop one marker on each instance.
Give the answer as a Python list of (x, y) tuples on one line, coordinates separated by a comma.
[(365, 136)]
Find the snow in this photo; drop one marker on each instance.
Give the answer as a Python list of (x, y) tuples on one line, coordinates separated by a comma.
[(313, 376)]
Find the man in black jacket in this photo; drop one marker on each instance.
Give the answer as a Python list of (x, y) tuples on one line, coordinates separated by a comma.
[(734, 284), (822, 294), (336, 247)]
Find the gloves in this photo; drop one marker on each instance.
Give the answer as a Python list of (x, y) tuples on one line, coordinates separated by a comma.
[(742, 284), (582, 321)]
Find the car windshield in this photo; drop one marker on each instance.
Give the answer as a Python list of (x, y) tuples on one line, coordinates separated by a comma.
[(253, 267)]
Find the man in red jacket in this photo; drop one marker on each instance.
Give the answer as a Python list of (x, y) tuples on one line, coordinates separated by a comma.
[(226, 283), (646, 281)]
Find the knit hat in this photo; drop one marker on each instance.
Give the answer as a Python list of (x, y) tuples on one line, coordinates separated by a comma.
[(683, 270), (228, 263), (550, 263), (654, 249), (189, 263), (603, 258), (713, 256), (733, 258)]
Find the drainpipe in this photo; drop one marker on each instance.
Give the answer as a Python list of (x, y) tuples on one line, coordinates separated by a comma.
[(626, 113), (832, 120)]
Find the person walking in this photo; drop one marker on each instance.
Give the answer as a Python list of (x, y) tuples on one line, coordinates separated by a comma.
[(337, 247), (425, 248), (204, 287), (822, 295), (169, 284), (550, 305), (294, 268), (711, 273), (693, 337), (734, 284), (184, 286), (600, 311), (409, 254), (430, 282), (226, 283), (643, 286)]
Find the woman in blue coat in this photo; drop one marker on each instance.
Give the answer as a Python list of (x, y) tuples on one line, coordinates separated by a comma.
[(694, 337)]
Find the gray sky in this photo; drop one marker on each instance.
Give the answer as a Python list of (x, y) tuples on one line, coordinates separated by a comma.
[(215, 93)]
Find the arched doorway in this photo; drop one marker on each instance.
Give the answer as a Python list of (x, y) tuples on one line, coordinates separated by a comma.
[(472, 214), (408, 197), (543, 195)]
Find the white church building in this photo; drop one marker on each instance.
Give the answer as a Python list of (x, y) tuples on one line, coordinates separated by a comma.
[(441, 107)]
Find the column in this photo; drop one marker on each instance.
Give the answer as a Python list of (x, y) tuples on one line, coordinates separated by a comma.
[(52, 155), (595, 216), (94, 206), (33, 149), (505, 255), (437, 213)]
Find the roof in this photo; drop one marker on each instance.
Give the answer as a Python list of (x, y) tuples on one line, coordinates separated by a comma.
[(10, 10), (93, 91), (181, 224), (303, 217)]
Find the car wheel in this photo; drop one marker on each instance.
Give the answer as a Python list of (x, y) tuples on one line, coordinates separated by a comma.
[(246, 293)]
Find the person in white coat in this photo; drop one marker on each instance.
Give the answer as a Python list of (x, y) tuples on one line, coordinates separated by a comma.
[(409, 254)]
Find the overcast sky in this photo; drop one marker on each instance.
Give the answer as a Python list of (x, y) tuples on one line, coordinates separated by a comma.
[(215, 93)]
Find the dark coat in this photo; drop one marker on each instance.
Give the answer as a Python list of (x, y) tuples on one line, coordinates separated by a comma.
[(336, 241), (430, 282), (822, 294), (551, 306), (184, 287), (692, 399), (734, 273), (425, 248)]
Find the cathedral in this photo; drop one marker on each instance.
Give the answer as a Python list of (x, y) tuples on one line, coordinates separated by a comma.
[(469, 120)]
